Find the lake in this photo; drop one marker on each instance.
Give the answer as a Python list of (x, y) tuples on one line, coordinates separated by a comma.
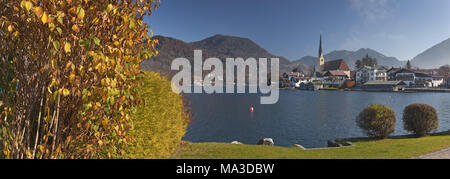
[(308, 118)]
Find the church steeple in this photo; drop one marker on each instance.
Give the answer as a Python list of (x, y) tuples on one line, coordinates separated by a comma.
[(320, 58), (320, 46)]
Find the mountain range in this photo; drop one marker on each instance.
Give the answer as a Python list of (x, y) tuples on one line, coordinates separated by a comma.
[(223, 47), (434, 57), (219, 46), (351, 57)]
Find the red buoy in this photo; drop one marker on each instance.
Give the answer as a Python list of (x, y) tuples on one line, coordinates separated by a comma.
[(252, 109)]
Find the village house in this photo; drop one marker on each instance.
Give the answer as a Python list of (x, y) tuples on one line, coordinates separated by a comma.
[(407, 76), (431, 76), (368, 73), (419, 78), (422, 80), (334, 77), (438, 81), (391, 73)]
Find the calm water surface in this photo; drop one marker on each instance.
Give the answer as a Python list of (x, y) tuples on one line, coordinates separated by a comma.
[(308, 118)]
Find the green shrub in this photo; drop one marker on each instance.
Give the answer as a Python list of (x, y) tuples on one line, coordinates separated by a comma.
[(160, 123), (377, 120), (421, 119)]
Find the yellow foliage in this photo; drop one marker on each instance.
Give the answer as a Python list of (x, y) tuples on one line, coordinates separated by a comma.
[(69, 53), (44, 18)]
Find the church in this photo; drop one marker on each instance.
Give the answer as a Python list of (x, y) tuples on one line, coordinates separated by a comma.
[(331, 72)]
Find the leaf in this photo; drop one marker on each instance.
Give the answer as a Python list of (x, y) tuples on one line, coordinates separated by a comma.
[(28, 5), (96, 41), (131, 24), (51, 26), (67, 47), (65, 92), (59, 30), (38, 11), (75, 28), (72, 76), (44, 18), (109, 8), (81, 12), (60, 20), (10, 28), (56, 45)]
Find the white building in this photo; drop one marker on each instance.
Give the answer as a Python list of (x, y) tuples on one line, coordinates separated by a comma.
[(417, 79), (407, 76), (367, 73), (438, 81)]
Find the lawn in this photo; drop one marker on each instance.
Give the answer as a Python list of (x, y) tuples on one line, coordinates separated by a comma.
[(392, 148)]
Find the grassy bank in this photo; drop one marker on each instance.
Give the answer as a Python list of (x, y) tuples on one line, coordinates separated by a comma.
[(392, 148)]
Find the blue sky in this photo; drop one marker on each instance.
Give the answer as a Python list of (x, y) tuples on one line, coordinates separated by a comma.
[(291, 28)]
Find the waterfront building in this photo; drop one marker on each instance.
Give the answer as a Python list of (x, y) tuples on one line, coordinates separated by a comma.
[(419, 78), (422, 80), (368, 73), (438, 81), (407, 76), (334, 77), (391, 73)]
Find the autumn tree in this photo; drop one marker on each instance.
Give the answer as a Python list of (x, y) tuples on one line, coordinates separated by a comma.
[(68, 72)]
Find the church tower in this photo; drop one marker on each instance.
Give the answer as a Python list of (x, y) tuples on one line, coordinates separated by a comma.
[(321, 58)]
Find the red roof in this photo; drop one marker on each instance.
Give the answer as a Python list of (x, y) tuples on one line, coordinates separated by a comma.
[(335, 73), (336, 65)]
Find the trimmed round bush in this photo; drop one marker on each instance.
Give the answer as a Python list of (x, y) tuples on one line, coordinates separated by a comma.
[(420, 119), (159, 124), (377, 121)]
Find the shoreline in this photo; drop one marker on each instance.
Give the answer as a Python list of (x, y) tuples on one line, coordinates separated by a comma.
[(407, 90), (343, 140)]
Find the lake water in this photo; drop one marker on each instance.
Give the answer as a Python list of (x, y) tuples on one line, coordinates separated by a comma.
[(308, 118)]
